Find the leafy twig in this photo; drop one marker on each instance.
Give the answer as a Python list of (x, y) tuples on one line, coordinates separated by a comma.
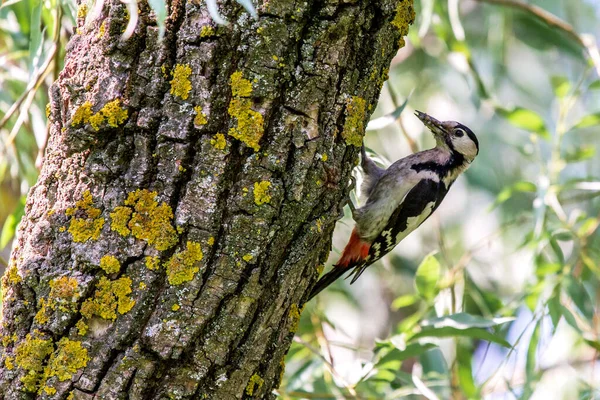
[(585, 41)]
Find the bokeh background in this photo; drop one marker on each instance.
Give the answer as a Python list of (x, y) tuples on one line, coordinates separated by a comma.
[(497, 295)]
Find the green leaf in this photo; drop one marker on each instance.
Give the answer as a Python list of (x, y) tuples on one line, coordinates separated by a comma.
[(10, 224), (477, 333), (569, 318), (394, 358), (580, 153), (561, 86), (404, 301), (462, 324), (427, 276), (531, 361), (580, 297), (464, 355), (557, 250), (464, 321), (554, 309), (526, 119), (562, 235), (594, 85), (525, 186), (589, 120)]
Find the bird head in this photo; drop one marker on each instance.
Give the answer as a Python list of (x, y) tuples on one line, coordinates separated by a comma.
[(452, 136)]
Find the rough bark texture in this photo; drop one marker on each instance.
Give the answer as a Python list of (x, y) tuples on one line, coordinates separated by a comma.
[(188, 197)]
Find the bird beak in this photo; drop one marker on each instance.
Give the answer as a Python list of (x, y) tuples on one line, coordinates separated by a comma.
[(435, 126)]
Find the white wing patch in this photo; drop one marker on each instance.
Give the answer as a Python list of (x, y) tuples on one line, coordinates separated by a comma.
[(413, 223), (389, 244)]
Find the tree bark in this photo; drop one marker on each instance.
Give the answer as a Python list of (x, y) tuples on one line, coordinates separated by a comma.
[(188, 197)]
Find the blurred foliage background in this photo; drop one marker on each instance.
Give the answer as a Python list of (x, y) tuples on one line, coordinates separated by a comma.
[(497, 295)]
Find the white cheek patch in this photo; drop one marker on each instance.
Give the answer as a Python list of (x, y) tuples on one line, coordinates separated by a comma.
[(465, 145)]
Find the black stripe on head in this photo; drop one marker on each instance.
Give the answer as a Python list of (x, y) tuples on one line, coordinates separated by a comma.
[(470, 134)]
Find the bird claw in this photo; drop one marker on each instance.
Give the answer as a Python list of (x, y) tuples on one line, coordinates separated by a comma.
[(351, 205)]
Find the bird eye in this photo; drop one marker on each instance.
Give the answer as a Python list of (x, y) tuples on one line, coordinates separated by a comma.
[(459, 132)]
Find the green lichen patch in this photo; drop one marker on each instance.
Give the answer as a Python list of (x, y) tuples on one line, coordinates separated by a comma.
[(145, 219), (354, 126), (180, 84), (30, 355), (261, 192), (200, 118), (405, 15), (183, 265), (110, 297), (255, 383), (110, 264), (89, 225), (249, 123)]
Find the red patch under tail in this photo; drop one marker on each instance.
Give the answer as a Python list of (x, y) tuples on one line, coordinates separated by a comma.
[(355, 251)]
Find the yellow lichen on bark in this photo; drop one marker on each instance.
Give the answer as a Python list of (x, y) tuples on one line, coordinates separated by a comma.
[(180, 84), (183, 265), (354, 126), (110, 264), (200, 118), (255, 383), (110, 297), (89, 226), (261, 192), (405, 15), (146, 219), (249, 123)]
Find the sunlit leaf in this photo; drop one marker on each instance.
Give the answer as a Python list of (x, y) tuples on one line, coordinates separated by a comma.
[(589, 120), (580, 153), (427, 276), (561, 86), (404, 301), (531, 361), (594, 85), (525, 119), (462, 324), (476, 333), (10, 224), (464, 321)]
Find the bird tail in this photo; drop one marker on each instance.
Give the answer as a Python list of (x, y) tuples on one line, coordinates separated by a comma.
[(355, 252)]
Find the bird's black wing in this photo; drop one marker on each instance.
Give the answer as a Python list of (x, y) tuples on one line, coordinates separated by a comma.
[(420, 202)]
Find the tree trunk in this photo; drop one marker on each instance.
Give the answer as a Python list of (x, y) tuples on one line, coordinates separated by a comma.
[(188, 197)]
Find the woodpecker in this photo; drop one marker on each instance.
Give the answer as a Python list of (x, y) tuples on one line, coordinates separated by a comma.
[(403, 196)]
